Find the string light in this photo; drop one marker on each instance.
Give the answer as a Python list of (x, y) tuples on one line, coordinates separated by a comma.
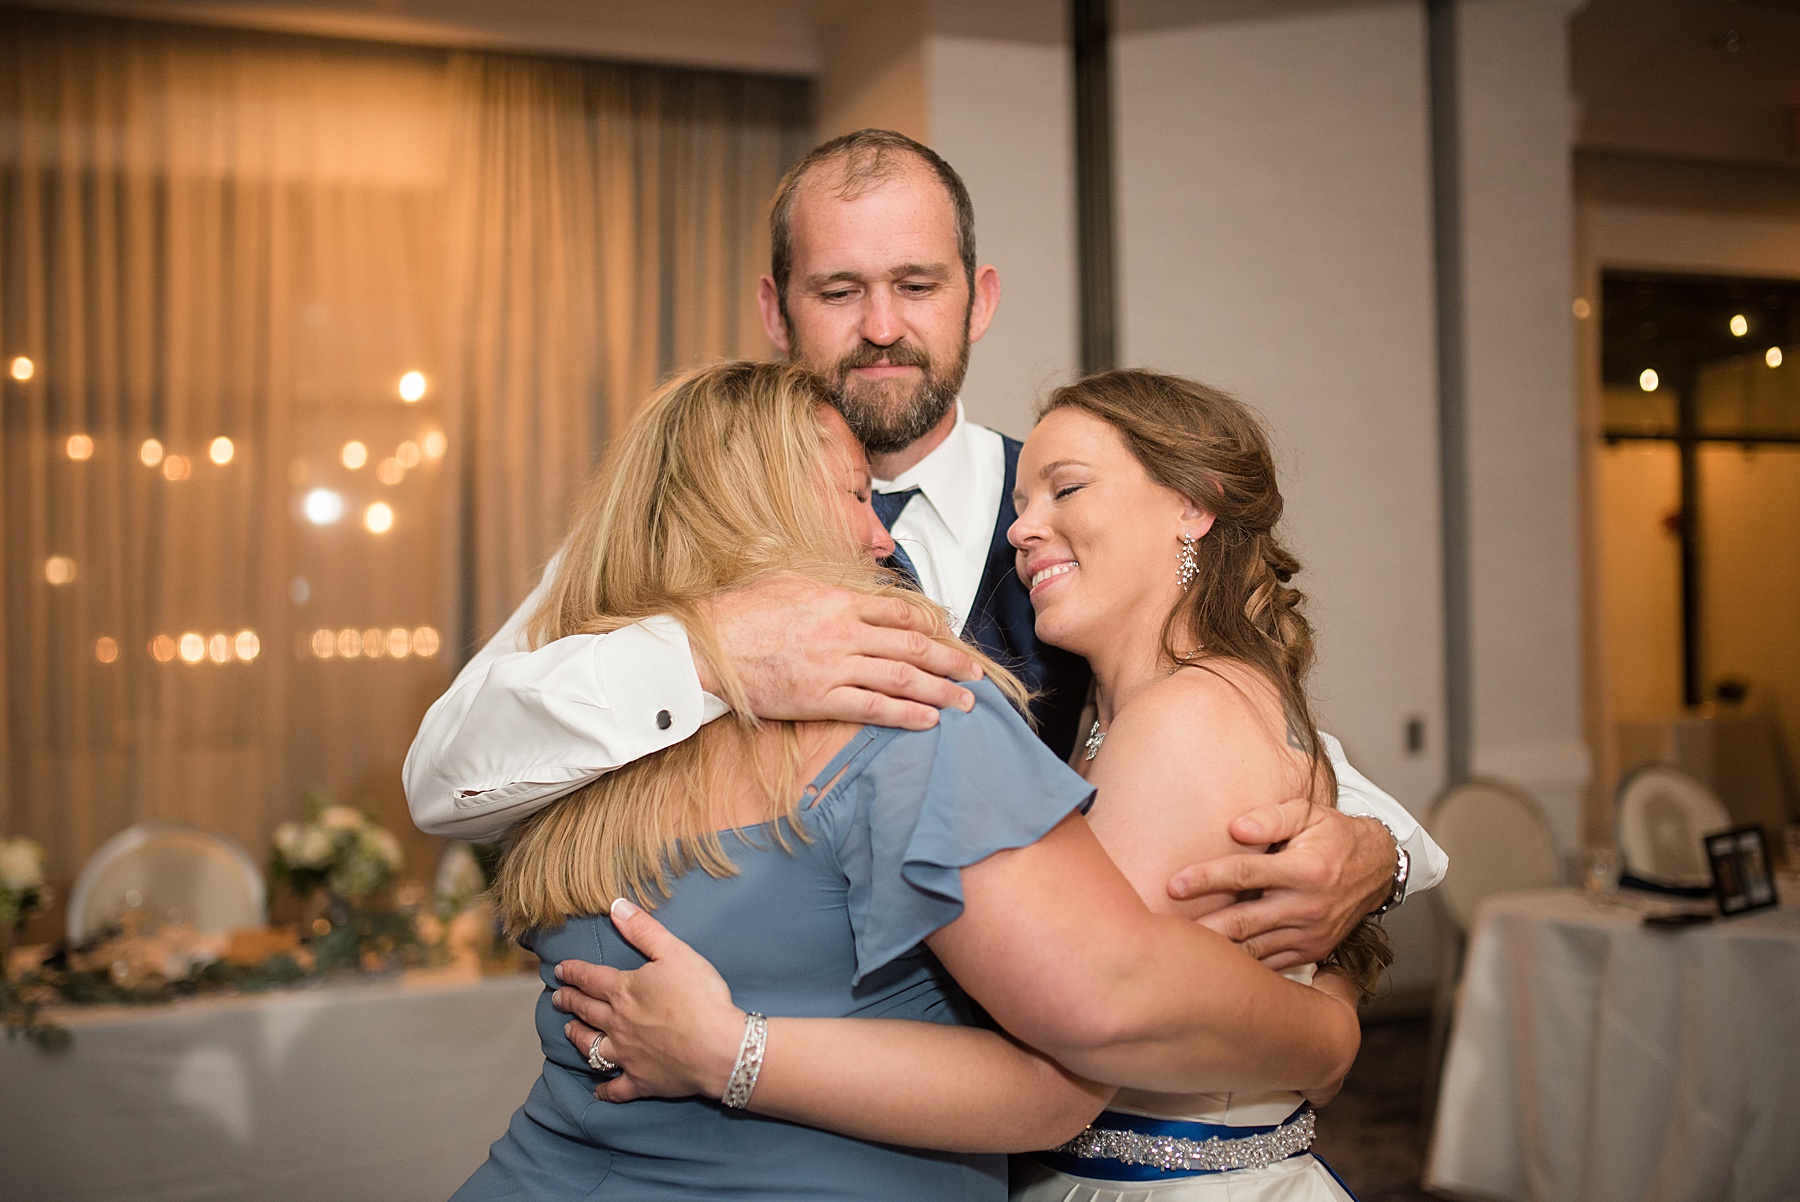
[(389, 471), (177, 467), (436, 444), (59, 570), (1647, 380), (79, 447), (162, 648), (379, 517), (425, 641), (407, 455), (218, 648), (412, 386), (221, 450), (399, 642), (354, 454), (22, 368), (151, 453), (1772, 356), (324, 644), (322, 506), (373, 643), (1740, 325), (106, 650), (247, 645), (349, 644), (191, 647)]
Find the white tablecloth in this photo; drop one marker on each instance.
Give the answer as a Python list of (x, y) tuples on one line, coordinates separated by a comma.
[(384, 1090), (1596, 1059)]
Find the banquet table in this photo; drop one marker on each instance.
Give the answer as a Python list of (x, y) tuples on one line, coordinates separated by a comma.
[(388, 1088), (1598, 1059)]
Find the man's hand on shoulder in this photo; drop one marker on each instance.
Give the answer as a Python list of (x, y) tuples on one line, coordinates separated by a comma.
[(810, 652), (1334, 870)]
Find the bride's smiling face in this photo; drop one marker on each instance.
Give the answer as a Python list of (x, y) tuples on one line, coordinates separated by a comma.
[(1097, 540)]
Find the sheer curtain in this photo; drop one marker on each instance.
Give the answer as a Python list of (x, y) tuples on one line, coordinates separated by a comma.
[(238, 563)]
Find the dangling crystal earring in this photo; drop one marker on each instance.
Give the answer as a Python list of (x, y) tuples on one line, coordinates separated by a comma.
[(1187, 563)]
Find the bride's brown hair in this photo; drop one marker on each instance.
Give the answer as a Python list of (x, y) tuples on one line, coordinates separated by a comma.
[(1207, 446)]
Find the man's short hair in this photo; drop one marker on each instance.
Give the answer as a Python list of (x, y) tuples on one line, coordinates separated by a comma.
[(869, 158)]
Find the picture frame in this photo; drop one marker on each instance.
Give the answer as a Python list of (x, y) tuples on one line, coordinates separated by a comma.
[(1743, 880)]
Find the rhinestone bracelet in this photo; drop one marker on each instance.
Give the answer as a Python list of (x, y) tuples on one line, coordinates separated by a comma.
[(749, 1062)]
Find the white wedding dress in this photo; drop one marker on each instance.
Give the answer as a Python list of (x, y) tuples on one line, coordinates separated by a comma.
[(1131, 1152)]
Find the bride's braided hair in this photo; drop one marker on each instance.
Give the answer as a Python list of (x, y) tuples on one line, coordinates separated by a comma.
[(1207, 446)]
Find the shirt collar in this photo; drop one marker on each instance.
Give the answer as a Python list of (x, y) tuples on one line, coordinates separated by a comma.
[(945, 478)]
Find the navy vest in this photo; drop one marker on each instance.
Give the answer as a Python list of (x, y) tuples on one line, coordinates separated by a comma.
[(1003, 624)]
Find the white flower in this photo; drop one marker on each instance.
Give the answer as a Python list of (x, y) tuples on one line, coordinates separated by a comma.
[(384, 845), (337, 819), (286, 835), (21, 864), (312, 848)]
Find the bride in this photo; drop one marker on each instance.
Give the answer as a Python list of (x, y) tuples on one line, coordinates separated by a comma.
[(1146, 532), (922, 882)]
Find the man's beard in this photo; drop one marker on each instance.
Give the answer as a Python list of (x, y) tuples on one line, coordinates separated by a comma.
[(884, 422)]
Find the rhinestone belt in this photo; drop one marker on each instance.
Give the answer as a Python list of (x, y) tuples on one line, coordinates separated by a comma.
[(1174, 1154)]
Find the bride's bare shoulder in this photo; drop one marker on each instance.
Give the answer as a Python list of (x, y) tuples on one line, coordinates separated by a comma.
[(1214, 704)]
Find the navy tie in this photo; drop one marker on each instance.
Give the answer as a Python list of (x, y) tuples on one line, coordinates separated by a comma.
[(887, 507)]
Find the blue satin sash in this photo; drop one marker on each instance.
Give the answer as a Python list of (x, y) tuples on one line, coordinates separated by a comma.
[(1100, 1168)]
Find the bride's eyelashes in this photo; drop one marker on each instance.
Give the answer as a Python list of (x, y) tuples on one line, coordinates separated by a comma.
[(1068, 490)]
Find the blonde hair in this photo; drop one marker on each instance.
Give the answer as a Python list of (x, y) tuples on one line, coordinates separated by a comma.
[(1207, 446), (717, 483)]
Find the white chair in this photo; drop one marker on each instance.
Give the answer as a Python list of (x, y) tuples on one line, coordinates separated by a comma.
[(1664, 816), (175, 873), (1497, 843)]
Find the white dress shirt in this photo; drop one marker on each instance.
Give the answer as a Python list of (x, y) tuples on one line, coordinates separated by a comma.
[(947, 529), (520, 728)]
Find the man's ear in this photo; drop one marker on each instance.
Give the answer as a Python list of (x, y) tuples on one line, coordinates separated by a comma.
[(985, 301), (768, 303)]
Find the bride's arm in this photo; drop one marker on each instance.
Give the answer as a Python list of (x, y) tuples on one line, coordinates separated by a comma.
[(674, 1031)]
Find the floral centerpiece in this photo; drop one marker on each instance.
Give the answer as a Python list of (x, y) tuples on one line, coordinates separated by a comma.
[(341, 850)]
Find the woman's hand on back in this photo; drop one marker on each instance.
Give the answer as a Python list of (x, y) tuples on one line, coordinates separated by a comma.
[(670, 1026)]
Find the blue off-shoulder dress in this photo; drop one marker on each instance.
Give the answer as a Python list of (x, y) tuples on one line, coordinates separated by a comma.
[(831, 927)]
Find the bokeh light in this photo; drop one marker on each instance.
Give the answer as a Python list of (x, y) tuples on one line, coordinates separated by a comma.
[(247, 645), (59, 569), (322, 506), (436, 444), (162, 648), (354, 454), (1647, 380), (221, 450), (412, 386), (218, 648), (106, 650), (374, 643), (425, 641), (177, 467), (349, 643), (399, 642), (1581, 308), (151, 453), (1740, 325), (1772, 356), (389, 471), (22, 368), (79, 447), (324, 643), (379, 517), (191, 647), (407, 454)]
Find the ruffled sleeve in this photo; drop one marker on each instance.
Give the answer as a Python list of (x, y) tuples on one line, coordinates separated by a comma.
[(933, 802)]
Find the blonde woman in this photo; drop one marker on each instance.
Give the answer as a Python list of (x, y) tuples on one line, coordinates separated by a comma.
[(1148, 507), (918, 876)]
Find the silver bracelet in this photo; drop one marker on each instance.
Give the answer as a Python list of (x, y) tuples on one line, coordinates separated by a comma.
[(749, 1062), (1402, 870)]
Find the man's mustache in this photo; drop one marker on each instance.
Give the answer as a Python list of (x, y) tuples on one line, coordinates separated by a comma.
[(899, 354)]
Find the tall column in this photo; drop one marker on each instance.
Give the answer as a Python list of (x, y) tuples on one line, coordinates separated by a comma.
[(1522, 417)]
